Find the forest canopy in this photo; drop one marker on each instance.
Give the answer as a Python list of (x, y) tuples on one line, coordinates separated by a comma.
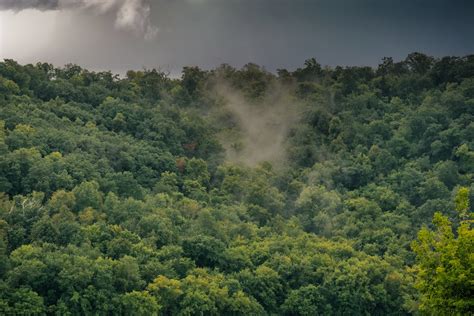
[(318, 191)]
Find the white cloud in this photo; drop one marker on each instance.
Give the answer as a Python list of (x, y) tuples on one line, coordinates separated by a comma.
[(131, 15)]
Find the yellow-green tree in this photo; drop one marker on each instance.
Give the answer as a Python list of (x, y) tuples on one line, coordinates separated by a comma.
[(445, 262)]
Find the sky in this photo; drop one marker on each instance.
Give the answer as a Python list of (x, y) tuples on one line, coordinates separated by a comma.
[(119, 35)]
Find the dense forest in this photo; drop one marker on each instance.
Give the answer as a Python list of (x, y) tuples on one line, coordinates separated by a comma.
[(318, 191)]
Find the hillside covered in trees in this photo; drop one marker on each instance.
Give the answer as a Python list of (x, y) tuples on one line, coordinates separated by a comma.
[(238, 191)]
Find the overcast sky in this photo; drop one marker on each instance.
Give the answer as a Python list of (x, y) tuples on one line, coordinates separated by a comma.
[(119, 35)]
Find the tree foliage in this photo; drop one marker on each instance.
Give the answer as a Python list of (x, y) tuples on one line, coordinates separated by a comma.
[(117, 196)]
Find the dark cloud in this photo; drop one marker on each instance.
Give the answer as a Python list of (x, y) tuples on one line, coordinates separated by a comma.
[(273, 33)]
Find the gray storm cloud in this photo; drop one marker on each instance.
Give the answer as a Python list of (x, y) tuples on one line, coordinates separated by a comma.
[(131, 15)]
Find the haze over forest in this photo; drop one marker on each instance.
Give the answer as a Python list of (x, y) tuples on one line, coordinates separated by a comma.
[(240, 158)]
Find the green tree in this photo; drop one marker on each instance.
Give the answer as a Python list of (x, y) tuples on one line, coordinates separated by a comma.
[(444, 262), (87, 194), (139, 304), (307, 300)]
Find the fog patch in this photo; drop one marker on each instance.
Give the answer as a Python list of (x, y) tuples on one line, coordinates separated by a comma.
[(262, 127)]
